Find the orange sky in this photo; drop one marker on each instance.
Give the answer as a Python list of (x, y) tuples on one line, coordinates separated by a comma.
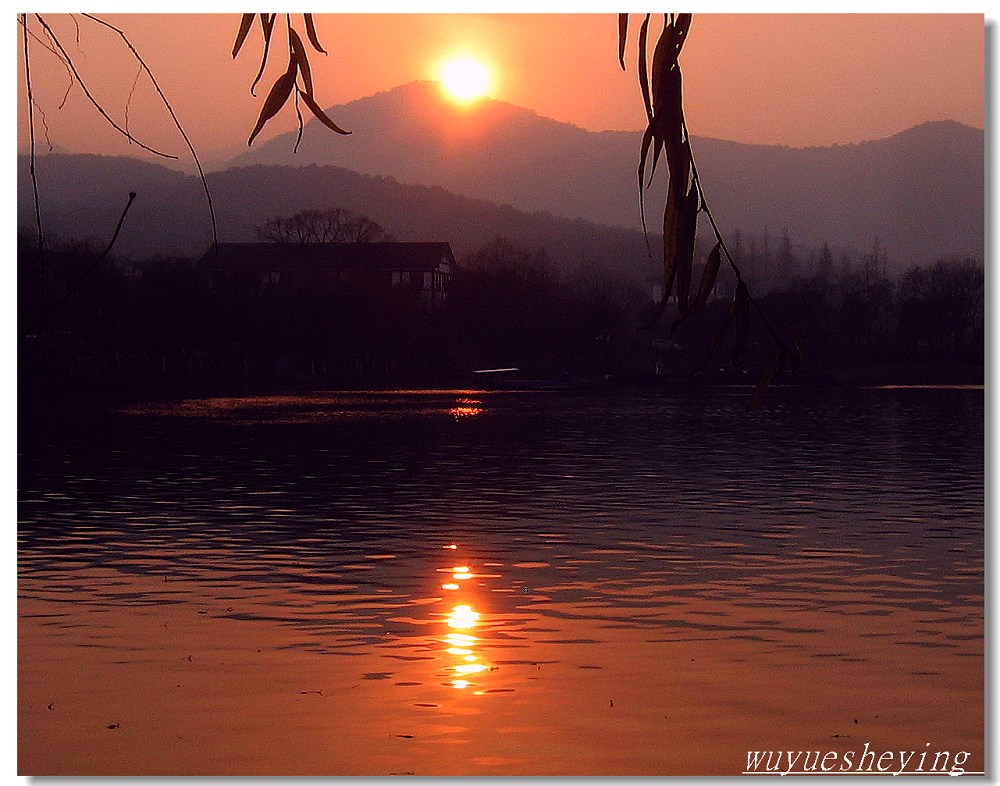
[(809, 79)]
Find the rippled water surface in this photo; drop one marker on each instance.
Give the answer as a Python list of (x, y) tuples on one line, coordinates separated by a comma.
[(500, 583)]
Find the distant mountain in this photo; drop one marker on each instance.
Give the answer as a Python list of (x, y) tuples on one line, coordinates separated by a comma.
[(428, 170), (920, 192), (82, 196)]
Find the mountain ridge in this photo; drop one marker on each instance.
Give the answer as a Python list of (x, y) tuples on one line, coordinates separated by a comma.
[(843, 194), (170, 216), (919, 193)]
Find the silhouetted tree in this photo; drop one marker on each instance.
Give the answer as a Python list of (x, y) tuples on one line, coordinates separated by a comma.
[(787, 266), (866, 303), (825, 271), (330, 225), (941, 306)]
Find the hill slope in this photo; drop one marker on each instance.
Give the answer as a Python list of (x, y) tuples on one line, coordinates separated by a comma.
[(920, 192), (82, 197), (427, 169)]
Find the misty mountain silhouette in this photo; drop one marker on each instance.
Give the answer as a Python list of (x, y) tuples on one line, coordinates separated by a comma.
[(427, 169), (920, 192), (82, 196)]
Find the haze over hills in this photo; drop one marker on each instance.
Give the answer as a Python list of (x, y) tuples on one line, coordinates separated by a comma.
[(82, 197), (920, 192), (428, 170)]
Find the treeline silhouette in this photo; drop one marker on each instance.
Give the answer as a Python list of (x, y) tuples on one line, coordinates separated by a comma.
[(159, 327), (160, 324), (860, 323)]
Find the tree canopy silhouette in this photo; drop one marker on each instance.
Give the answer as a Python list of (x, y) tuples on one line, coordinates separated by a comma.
[(331, 225)]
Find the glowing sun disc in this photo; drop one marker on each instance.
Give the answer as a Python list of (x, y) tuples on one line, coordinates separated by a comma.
[(465, 79)]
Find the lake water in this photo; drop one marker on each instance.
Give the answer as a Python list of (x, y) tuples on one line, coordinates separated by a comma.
[(460, 582)]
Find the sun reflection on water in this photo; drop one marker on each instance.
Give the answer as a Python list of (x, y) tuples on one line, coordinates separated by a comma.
[(461, 620), (466, 408)]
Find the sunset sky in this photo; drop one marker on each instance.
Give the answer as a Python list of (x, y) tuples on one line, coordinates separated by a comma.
[(794, 80)]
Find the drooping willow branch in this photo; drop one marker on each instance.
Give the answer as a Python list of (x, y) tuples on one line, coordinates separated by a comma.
[(666, 133), (288, 82)]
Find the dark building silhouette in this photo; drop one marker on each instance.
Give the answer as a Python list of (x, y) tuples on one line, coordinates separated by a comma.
[(424, 269)]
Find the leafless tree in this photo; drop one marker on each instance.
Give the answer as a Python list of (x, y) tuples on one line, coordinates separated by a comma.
[(320, 227)]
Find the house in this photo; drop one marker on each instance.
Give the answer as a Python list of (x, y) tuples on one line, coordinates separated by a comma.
[(423, 268)]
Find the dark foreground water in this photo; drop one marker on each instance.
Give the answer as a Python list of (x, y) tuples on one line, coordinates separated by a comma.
[(506, 583)]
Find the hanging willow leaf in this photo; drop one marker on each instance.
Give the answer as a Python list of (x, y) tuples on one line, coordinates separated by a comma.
[(797, 353), (660, 308), (800, 351), (680, 220), (773, 368), (708, 277), (668, 112), (665, 86), (314, 108), (647, 138), (665, 136), (709, 274), (241, 36), (679, 31), (311, 32), (657, 148), (280, 92), (685, 248), (671, 235), (622, 35), (266, 27), (726, 325), (679, 159), (298, 53), (644, 69), (661, 55), (298, 117), (742, 305), (668, 128)]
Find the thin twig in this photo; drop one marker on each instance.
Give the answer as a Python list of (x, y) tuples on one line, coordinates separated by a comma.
[(131, 92), (41, 42), (173, 116), (298, 114), (45, 125), (722, 243), (86, 92), (34, 353), (31, 153), (94, 265), (76, 24)]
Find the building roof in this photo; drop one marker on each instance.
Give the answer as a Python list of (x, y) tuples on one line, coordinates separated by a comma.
[(425, 256)]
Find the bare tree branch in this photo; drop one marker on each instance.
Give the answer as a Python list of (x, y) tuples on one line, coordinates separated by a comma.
[(170, 109), (31, 138), (93, 266), (86, 91)]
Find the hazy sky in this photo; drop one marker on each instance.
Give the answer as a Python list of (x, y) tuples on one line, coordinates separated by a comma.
[(805, 79)]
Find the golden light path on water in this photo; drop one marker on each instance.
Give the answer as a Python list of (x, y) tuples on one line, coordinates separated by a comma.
[(461, 620), (503, 592)]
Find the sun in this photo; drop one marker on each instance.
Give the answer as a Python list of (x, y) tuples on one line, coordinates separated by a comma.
[(465, 79)]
